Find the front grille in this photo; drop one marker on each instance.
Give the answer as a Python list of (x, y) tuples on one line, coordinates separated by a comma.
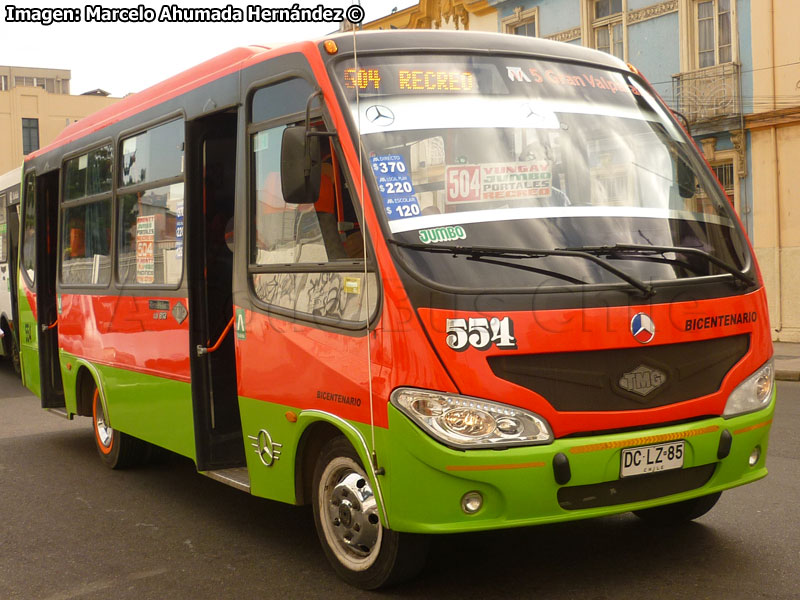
[(607, 380), (635, 489)]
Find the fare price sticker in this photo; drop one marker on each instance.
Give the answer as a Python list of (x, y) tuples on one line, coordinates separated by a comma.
[(145, 258), (498, 181), (394, 182)]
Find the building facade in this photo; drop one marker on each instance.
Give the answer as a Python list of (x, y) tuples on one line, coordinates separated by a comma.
[(731, 68), (773, 135), (35, 105), (473, 15)]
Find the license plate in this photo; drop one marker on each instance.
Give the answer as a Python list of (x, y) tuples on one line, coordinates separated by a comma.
[(651, 459)]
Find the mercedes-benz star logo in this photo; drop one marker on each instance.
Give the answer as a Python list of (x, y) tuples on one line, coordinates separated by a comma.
[(380, 115), (642, 328), (528, 111), (267, 450)]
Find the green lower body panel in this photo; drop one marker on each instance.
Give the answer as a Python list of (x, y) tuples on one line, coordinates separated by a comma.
[(29, 365), (151, 408), (270, 442), (273, 435), (422, 483), (425, 481)]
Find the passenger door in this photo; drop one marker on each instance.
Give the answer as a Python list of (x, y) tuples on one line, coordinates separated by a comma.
[(38, 315)]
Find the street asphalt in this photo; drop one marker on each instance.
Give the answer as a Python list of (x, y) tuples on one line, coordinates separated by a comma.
[(787, 361)]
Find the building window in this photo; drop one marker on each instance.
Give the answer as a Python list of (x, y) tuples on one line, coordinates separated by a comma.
[(30, 82), (714, 39), (48, 84), (522, 22), (725, 173), (608, 38), (608, 26), (30, 135), (707, 34), (528, 29), (3, 83), (606, 8)]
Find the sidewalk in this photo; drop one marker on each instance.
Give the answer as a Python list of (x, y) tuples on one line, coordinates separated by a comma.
[(787, 361)]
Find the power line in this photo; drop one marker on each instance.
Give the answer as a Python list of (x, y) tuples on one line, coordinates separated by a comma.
[(792, 64)]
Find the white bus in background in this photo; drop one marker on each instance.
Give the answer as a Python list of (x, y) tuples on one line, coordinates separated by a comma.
[(9, 231)]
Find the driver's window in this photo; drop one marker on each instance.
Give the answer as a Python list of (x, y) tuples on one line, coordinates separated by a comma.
[(325, 231), (305, 258)]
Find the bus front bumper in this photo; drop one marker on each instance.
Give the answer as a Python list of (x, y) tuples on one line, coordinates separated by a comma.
[(426, 485)]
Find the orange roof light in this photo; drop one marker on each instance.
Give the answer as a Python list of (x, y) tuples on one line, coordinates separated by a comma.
[(330, 46)]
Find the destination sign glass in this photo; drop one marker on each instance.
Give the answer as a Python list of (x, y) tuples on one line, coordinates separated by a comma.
[(385, 77)]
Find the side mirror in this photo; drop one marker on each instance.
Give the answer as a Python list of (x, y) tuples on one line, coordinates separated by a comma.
[(300, 177), (686, 181)]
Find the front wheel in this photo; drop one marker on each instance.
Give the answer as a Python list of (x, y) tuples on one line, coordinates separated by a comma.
[(680, 512), (362, 551), (117, 450)]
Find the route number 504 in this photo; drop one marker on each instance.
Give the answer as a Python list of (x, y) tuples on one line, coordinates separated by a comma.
[(481, 333)]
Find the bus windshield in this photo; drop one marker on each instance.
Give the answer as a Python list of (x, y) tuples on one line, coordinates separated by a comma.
[(508, 153)]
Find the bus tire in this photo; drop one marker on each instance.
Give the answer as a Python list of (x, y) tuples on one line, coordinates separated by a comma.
[(361, 550), (680, 512), (15, 359), (117, 450), (9, 347)]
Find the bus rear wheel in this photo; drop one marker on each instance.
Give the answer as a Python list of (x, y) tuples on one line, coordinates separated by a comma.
[(361, 550), (9, 347), (117, 450), (680, 512)]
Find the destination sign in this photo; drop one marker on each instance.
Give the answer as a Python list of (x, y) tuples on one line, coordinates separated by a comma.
[(478, 75), (422, 78), (411, 80)]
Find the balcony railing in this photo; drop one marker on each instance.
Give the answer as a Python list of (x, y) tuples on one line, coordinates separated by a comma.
[(709, 93)]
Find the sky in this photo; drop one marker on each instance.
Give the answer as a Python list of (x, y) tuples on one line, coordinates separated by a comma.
[(121, 58)]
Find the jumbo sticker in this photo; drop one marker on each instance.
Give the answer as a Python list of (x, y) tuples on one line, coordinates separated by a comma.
[(394, 183), (442, 234)]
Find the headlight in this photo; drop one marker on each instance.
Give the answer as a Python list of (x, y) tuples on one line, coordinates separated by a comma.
[(753, 393), (468, 423)]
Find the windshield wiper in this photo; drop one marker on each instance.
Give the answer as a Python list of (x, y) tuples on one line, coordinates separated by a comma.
[(479, 252), (644, 250)]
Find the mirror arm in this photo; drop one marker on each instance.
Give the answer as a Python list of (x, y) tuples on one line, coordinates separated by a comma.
[(684, 121), (310, 133)]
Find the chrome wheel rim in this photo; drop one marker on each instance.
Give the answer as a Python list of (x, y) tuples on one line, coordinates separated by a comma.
[(348, 512), (104, 432)]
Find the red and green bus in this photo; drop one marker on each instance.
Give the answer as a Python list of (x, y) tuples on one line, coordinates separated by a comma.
[(426, 282)]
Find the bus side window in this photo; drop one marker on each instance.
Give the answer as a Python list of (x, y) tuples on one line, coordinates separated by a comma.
[(86, 219), (151, 200)]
